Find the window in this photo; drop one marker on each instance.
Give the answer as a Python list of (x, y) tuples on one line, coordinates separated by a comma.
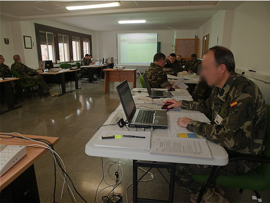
[(47, 46), (86, 46), (63, 44), (76, 49)]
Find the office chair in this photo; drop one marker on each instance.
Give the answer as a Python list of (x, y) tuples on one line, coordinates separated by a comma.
[(142, 82), (258, 180), (24, 87)]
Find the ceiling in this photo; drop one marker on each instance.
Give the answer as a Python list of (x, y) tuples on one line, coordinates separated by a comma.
[(159, 15)]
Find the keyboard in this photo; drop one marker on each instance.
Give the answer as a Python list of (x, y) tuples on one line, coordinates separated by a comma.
[(145, 116), (9, 156)]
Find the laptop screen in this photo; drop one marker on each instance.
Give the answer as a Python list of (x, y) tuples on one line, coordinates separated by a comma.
[(147, 84), (126, 100)]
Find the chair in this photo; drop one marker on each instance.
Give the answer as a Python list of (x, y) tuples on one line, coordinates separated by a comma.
[(65, 66), (25, 86), (258, 180), (142, 81)]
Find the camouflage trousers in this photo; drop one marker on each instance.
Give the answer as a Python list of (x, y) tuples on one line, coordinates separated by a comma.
[(38, 79), (184, 173)]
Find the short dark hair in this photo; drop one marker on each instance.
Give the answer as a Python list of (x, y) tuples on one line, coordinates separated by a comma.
[(172, 55), (223, 56), (159, 56), (193, 55), (86, 55), (179, 55)]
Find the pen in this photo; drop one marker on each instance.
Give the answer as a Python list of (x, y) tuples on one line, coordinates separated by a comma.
[(133, 136), (111, 137)]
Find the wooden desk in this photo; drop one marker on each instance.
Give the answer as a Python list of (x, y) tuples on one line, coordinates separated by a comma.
[(91, 69), (9, 94), (62, 77), (33, 154), (114, 75), (25, 166)]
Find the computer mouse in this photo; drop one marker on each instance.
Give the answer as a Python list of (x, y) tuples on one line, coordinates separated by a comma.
[(171, 89), (165, 106)]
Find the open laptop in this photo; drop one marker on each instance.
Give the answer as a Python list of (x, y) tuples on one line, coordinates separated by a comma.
[(137, 117), (155, 93)]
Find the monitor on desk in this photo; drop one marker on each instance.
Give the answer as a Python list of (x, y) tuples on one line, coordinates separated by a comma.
[(48, 64)]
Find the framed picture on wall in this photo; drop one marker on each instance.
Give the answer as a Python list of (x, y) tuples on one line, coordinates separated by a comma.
[(27, 42)]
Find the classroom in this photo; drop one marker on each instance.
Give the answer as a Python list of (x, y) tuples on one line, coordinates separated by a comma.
[(134, 101)]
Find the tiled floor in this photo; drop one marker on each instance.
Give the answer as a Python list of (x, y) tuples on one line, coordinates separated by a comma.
[(74, 118)]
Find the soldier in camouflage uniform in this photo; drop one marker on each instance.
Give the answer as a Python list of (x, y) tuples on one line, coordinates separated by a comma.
[(180, 60), (87, 60), (4, 69), (155, 73), (25, 73), (173, 64), (237, 112), (191, 64)]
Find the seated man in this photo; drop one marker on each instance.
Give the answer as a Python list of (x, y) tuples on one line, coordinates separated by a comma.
[(155, 74), (191, 64), (181, 60), (87, 60), (26, 74), (173, 65), (237, 112), (4, 69)]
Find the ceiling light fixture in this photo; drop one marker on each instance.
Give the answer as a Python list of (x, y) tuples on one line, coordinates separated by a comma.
[(113, 4), (131, 21)]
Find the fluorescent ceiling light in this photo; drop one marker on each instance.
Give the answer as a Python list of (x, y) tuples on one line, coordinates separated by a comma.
[(131, 21), (113, 4)]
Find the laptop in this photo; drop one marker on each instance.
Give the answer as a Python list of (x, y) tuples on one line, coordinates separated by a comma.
[(155, 93), (139, 118)]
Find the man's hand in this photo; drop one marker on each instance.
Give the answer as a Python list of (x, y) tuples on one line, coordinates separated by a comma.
[(175, 87), (174, 103), (40, 71), (183, 122)]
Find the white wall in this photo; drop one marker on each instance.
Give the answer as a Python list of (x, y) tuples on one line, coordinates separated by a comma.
[(250, 38)]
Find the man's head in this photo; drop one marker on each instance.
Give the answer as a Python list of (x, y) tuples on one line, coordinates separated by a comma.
[(217, 64), (172, 57), (2, 60), (194, 56), (89, 56), (160, 59), (178, 57), (17, 58)]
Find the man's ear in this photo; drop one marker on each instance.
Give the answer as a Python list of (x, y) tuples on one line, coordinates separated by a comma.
[(222, 68)]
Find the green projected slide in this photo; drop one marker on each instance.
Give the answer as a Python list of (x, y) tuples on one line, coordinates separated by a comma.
[(136, 48)]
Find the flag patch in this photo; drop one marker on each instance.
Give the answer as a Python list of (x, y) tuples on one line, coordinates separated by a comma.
[(234, 103)]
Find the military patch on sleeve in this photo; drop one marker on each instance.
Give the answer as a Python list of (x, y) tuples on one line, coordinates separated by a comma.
[(234, 103)]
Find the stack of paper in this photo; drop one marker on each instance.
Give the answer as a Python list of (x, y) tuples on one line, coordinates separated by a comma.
[(181, 147)]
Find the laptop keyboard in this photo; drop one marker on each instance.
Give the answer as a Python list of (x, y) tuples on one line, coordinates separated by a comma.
[(145, 117)]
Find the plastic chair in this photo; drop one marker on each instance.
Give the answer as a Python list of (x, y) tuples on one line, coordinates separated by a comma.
[(142, 82), (258, 180), (25, 86), (65, 66)]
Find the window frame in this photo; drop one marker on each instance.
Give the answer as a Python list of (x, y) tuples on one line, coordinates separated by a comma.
[(56, 32)]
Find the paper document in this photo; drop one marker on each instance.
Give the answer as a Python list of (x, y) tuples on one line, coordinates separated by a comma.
[(181, 147), (139, 90), (172, 117), (124, 142)]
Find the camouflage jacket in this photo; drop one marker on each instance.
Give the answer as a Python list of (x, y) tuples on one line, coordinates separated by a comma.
[(182, 62), (156, 76), (176, 67), (23, 70), (86, 62), (191, 65), (242, 107), (4, 71)]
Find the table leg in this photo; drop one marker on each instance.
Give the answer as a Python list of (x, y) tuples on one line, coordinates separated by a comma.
[(63, 83), (76, 79), (135, 182), (9, 93), (106, 82)]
